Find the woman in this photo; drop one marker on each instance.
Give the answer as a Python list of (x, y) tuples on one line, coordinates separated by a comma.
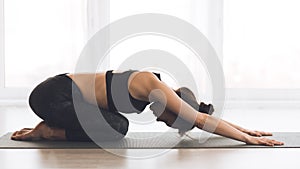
[(113, 92)]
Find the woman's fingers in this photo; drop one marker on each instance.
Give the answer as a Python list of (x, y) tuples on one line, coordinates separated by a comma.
[(265, 133), (270, 142), (264, 141), (258, 133), (277, 142), (255, 133)]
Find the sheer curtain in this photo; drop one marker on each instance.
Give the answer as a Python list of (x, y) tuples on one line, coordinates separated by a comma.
[(206, 15), (44, 38), (97, 16)]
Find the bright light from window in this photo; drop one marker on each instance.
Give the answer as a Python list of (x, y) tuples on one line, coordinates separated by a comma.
[(42, 38), (261, 43)]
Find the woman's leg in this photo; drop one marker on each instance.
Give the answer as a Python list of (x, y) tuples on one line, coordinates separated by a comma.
[(53, 102), (104, 127)]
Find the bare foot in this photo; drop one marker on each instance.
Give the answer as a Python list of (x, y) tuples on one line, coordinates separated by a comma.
[(41, 132)]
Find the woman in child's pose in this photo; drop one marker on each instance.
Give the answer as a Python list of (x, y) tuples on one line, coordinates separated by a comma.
[(113, 92)]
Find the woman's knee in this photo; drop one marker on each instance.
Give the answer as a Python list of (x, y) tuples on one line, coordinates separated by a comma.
[(34, 99), (118, 123), (119, 128), (123, 126), (37, 102)]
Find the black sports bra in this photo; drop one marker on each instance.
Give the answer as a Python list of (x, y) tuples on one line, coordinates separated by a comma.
[(120, 89)]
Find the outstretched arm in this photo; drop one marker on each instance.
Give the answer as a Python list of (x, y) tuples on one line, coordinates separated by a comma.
[(221, 127), (249, 132), (146, 86)]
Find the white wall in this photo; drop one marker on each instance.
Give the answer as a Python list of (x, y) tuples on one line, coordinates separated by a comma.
[(2, 44)]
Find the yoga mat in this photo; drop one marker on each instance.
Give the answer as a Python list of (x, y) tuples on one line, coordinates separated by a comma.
[(153, 140)]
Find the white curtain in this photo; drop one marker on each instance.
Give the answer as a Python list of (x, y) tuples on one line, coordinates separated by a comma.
[(96, 15), (54, 39), (207, 16), (49, 36)]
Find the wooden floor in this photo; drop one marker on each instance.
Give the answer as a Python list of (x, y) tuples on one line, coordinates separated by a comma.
[(15, 117)]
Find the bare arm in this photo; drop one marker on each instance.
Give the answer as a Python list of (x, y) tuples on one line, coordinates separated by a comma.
[(204, 121), (249, 132), (221, 127), (148, 87), (207, 122)]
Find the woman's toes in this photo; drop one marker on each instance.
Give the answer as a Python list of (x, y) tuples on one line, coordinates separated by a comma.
[(26, 129), (16, 136), (25, 135), (23, 132), (13, 136), (41, 131)]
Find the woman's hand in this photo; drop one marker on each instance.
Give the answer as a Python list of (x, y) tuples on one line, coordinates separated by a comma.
[(256, 133), (250, 132), (262, 141)]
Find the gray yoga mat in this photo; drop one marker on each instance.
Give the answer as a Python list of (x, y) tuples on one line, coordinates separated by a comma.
[(152, 140)]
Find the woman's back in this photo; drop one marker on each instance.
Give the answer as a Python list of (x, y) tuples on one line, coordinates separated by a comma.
[(92, 86)]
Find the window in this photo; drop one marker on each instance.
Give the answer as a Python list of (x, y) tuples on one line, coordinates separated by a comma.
[(261, 44), (41, 39), (206, 15), (121, 9)]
